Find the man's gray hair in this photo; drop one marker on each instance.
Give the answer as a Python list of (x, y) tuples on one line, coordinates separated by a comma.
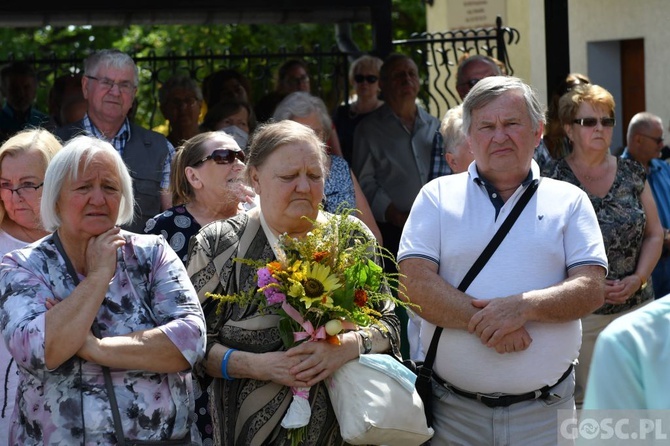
[(642, 122), (491, 88), (65, 166), (476, 58), (110, 58)]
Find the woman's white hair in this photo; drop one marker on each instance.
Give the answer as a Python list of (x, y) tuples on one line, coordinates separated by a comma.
[(65, 166)]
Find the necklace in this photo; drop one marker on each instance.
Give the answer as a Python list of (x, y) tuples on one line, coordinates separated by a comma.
[(596, 178)]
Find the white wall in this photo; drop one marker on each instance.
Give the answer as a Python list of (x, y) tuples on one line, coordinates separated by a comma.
[(613, 20), (594, 24)]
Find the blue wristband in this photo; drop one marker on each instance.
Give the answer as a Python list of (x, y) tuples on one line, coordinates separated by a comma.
[(224, 364)]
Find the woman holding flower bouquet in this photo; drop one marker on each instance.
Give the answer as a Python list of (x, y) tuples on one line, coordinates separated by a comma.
[(272, 280)]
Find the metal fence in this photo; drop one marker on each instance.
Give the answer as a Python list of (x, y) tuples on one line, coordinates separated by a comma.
[(436, 55), (327, 69)]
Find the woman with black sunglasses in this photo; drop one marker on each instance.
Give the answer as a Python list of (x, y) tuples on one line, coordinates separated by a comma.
[(205, 184), (627, 214), (364, 79)]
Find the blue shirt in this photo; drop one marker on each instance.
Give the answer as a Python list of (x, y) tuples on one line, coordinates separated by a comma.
[(438, 165), (659, 182), (631, 361)]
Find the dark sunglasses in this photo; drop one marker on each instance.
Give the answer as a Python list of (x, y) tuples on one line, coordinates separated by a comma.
[(592, 122), (222, 156), (370, 78), (653, 138)]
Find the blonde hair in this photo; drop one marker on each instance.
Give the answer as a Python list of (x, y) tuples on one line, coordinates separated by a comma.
[(451, 128), (32, 140), (363, 62)]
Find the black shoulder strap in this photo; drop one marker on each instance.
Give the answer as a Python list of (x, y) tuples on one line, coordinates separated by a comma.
[(68, 264), (120, 437), (481, 261)]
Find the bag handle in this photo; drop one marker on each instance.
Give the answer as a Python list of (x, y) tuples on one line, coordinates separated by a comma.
[(427, 368), (120, 437)]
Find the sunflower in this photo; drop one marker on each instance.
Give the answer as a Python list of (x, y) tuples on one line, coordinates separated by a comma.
[(318, 284)]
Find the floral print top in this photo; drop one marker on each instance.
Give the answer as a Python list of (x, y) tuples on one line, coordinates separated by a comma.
[(69, 405), (339, 187), (622, 222)]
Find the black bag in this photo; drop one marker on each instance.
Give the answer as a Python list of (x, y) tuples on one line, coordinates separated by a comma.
[(423, 386), (424, 369)]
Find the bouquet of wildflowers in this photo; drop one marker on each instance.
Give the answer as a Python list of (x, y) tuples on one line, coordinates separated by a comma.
[(321, 284)]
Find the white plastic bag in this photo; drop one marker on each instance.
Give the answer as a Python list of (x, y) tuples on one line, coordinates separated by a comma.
[(376, 404)]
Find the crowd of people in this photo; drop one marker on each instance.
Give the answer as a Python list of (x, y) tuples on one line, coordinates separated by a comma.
[(115, 237)]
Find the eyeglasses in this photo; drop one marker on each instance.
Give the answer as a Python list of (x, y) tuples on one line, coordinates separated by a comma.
[(370, 78), (106, 83), (592, 122), (656, 140), (179, 103), (26, 190), (222, 156), (470, 83)]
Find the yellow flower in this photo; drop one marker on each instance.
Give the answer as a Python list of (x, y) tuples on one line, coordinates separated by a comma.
[(296, 289), (318, 284), (296, 272)]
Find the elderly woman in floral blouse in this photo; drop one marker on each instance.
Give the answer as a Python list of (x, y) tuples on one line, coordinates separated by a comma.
[(90, 277)]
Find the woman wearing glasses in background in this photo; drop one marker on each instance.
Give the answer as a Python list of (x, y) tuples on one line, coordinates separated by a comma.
[(625, 207), (23, 160), (364, 77)]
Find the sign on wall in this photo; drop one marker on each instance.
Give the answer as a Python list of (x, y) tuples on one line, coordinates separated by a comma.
[(464, 14)]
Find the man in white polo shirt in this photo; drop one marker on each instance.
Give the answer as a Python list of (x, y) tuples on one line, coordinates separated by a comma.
[(516, 330)]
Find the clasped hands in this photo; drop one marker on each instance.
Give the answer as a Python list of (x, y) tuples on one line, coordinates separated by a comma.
[(499, 324), (618, 291), (306, 364)]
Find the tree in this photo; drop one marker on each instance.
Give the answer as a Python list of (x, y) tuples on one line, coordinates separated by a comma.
[(75, 42)]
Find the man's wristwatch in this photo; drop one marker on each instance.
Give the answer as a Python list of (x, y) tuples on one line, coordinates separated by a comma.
[(365, 346)]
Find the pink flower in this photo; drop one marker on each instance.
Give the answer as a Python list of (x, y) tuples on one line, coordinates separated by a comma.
[(265, 277), (267, 282), (274, 296)]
